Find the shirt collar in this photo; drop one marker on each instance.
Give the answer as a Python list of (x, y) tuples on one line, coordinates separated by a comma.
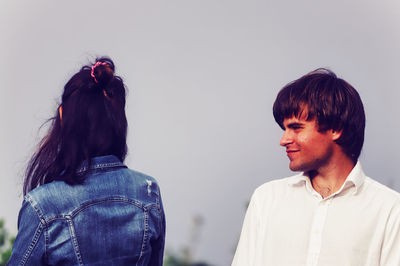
[(298, 179), (356, 178), (101, 162)]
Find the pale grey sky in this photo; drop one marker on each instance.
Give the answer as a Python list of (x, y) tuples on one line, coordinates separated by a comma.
[(202, 78)]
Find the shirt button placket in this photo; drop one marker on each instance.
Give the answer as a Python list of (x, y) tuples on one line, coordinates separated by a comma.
[(314, 246)]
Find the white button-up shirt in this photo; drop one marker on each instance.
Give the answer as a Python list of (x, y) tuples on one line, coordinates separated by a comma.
[(289, 223)]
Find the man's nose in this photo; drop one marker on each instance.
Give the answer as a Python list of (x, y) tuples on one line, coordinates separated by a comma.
[(286, 138)]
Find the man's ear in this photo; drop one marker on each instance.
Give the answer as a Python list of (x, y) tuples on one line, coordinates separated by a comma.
[(336, 134)]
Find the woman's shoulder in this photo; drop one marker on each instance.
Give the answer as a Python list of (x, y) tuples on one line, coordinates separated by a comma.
[(48, 200), (141, 183), (50, 190), (140, 176)]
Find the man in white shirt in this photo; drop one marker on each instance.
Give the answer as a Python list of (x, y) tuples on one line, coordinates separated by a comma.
[(331, 213)]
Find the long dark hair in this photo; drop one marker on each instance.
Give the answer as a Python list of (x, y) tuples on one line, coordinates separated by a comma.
[(90, 122)]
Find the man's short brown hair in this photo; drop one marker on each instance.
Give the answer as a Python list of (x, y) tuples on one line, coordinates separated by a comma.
[(332, 101)]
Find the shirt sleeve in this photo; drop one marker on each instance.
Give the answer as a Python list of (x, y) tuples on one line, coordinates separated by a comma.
[(245, 254), (28, 248), (390, 254)]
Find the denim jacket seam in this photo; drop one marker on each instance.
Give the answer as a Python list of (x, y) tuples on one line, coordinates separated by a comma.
[(34, 205), (74, 212), (100, 166), (144, 242), (74, 239), (33, 243), (46, 241), (41, 226), (105, 165), (99, 201)]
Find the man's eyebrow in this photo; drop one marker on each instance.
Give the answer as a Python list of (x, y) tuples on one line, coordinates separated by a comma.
[(294, 125)]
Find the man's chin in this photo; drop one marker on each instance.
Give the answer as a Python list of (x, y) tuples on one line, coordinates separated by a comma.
[(296, 168)]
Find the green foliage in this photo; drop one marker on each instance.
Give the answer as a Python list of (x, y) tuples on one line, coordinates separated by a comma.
[(6, 243), (179, 260)]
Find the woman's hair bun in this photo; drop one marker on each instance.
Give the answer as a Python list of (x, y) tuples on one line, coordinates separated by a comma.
[(103, 71)]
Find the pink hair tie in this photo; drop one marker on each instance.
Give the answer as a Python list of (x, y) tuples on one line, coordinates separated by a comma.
[(94, 66)]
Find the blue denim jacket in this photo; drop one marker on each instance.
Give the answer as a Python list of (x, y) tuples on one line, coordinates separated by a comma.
[(115, 217)]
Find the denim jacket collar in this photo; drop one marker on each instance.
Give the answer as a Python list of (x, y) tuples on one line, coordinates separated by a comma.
[(101, 162)]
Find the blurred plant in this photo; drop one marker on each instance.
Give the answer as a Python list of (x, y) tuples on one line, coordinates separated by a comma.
[(185, 256), (6, 243), (176, 260)]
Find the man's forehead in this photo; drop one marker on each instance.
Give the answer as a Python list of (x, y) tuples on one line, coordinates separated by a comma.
[(294, 119), (298, 120)]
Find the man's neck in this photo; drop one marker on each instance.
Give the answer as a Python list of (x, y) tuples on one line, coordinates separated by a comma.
[(330, 178)]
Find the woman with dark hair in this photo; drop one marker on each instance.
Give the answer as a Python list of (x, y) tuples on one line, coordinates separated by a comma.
[(82, 205)]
